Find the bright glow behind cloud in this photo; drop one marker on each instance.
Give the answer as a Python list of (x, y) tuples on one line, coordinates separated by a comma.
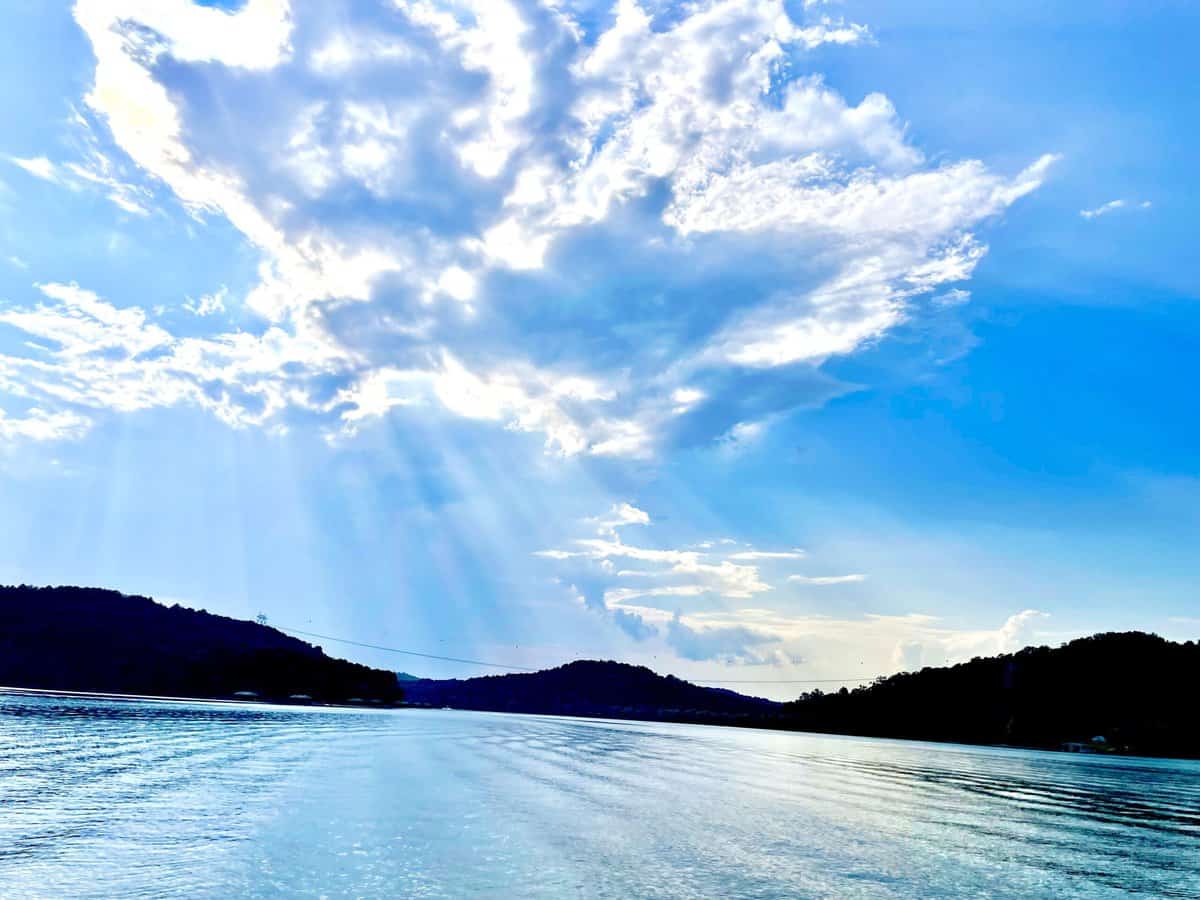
[(713, 602), (499, 212)]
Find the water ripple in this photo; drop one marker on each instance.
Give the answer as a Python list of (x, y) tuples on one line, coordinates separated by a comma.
[(108, 797)]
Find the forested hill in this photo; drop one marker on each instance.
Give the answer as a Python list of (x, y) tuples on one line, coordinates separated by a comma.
[(87, 639), (596, 688), (1137, 691)]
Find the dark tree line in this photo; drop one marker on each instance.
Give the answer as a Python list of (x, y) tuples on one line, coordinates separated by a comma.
[(1137, 691), (595, 688), (87, 639)]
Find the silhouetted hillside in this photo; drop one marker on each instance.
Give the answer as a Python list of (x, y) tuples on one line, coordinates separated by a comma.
[(86, 639), (595, 688), (1137, 691)]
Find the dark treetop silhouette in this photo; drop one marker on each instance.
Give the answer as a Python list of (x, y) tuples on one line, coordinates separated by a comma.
[(1136, 691), (594, 688), (86, 639)]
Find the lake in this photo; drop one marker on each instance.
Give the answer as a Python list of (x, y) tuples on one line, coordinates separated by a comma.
[(139, 798)]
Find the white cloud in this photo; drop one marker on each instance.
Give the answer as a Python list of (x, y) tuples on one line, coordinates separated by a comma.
[(489, 37), (40, 425), (350, 49), (741, 437), (768, 554), (87, 352), (1019, 629), (643, 596), (38, 166), (255, 37), (523, 398), (620, 515), (690, 572), (827, 579), (907, 237), (208, 304), (457, 283), (1103, 209), (711, 601), (953, 297), (935, 646), (486, 137), (1113, 206), (95, 169)]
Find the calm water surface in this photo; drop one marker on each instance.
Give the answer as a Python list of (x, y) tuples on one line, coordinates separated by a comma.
[(119, 798)]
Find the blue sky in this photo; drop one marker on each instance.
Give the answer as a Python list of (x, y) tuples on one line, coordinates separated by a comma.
[(751, 340)]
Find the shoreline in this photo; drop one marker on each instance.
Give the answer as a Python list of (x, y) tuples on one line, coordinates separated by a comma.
[(163, 698), (102, 695)]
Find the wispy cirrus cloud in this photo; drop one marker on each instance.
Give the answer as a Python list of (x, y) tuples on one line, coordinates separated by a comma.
[(700, 604), (93, 169), (40, 425), (827, 579), (37, 166), (640, 588), (1112, 206)]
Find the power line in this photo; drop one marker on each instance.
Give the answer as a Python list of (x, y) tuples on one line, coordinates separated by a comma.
[(492, 665), (470, 662), (787, 680)]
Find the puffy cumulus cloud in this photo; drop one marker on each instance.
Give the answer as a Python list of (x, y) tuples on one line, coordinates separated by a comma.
[(1019, 629), (937, 646), (620, 229), (870, 645)]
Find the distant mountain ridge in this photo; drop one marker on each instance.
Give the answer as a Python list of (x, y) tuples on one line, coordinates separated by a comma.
[(88, 639), (596, 688)]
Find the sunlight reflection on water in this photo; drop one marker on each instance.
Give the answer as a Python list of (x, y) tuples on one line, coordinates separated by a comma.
[(106, 798)]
